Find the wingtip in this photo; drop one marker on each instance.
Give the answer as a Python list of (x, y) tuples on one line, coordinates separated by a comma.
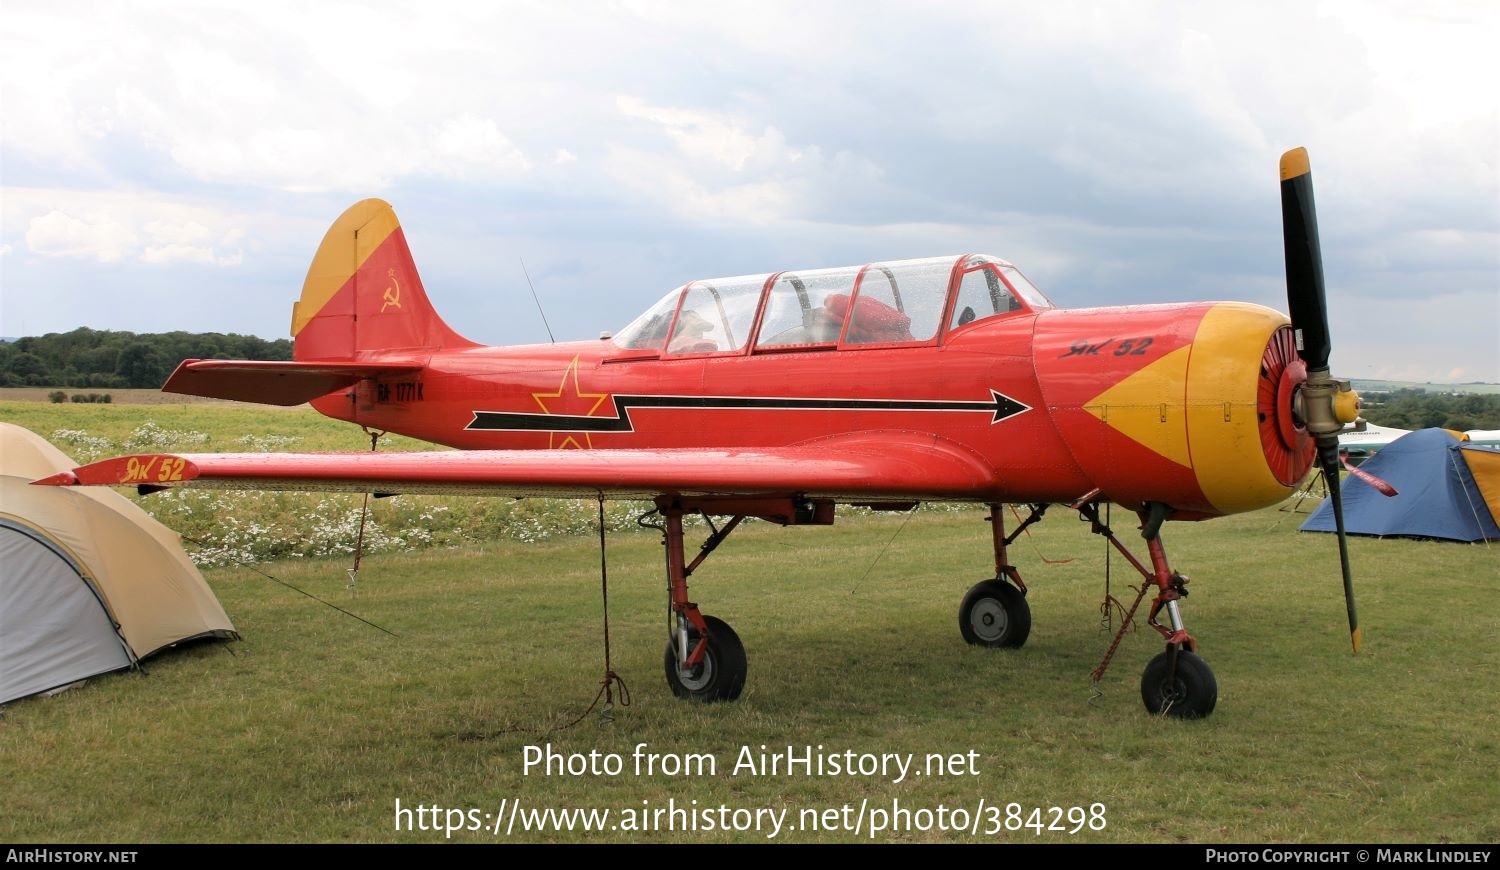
[(135, 470), (62, 478)]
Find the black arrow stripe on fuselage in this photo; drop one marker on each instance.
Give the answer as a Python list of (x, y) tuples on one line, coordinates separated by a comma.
[(1001, 406)]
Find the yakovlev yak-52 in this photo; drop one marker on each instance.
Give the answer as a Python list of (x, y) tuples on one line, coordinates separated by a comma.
[(779, 396)]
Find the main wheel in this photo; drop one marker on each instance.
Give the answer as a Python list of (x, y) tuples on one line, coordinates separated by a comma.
[(994, 614), (1190, 693), (719, 675)]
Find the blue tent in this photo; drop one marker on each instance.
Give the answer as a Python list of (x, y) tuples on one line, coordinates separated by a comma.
[(1441, 484)]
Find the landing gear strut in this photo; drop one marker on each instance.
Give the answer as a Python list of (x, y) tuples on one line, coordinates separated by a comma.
[(1176, 682), (994, 613), (704, 659)]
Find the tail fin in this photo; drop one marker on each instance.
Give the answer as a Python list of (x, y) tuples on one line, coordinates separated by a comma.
[(362, 293)]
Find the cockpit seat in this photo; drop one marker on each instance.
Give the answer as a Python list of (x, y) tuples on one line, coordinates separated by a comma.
[(873, 321)]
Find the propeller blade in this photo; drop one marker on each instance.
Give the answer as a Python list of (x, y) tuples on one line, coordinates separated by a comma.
[(1330, 463), (1304, 263)]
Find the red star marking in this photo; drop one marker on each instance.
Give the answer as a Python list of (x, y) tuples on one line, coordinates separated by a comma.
[(570, 401)]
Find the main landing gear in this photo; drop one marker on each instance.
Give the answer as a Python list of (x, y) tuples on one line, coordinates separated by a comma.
[(704, 659), (1175, 683), (994, 613)]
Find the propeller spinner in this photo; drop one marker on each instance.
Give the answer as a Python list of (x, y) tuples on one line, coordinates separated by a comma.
[(1323, 405)]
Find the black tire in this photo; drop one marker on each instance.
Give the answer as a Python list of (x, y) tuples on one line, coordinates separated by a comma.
[(720, 676), (994, 614), (1189, 694)]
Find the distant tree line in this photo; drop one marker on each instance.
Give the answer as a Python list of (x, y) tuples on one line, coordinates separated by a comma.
[(102, 358), (1421, 409)]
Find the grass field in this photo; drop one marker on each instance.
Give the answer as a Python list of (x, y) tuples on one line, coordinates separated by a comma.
[(313, 727)]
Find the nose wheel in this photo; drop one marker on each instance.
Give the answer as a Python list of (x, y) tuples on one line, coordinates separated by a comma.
[(1179, 683)]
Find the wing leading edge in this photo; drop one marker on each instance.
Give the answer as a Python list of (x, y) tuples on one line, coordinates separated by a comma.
[(875, 466)]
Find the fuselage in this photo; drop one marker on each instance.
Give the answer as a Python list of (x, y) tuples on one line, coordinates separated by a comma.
[(1190, 405), (1158, 403)]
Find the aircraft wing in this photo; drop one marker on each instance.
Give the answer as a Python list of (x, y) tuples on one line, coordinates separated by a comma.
[(894, 466), (274, 382)]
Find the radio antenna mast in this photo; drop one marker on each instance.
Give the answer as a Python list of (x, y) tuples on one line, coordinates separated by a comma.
[(538, 301)]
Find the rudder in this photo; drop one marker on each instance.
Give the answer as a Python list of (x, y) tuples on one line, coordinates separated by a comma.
[(363, 294)]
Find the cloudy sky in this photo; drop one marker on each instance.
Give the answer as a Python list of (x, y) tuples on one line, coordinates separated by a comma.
[(173, 165)]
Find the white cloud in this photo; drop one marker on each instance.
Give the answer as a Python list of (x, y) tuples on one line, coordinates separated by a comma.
[(56, 91), (469, 144), (721, 171), (708, 136), (349, 100), (114, 228), (190, 242), (96, 236)]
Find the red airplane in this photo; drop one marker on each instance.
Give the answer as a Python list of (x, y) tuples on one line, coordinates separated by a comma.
[(778, 396)]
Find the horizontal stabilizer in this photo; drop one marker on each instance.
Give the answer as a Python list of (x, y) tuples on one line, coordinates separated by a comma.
[(274, 383)]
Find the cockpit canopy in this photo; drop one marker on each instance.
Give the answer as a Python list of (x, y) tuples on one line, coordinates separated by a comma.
[(877, 304)]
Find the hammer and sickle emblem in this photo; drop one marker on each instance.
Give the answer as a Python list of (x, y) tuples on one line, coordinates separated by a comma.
[(392, 295)]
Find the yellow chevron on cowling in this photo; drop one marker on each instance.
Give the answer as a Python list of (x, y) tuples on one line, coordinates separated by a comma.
[(1146, 407)]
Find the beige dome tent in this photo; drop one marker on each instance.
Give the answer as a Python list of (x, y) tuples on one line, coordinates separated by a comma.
[(89, 582)]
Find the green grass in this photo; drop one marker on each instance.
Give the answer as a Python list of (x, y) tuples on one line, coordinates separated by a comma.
[(316, 724), (313, 726)]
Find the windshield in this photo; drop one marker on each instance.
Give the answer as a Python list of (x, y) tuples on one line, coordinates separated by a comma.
[(649, 331)]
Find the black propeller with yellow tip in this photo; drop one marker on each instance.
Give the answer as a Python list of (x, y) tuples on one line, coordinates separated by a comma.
[(1323, 405)]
